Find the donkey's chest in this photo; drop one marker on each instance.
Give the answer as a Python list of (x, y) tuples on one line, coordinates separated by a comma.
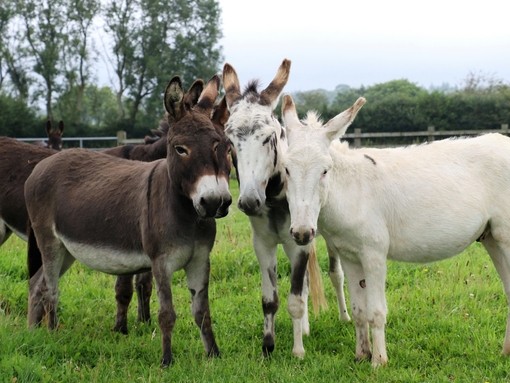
[(273, 223)]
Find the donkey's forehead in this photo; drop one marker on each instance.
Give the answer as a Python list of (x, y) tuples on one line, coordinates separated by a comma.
[(195, 128), (307, 157), (250, 120)]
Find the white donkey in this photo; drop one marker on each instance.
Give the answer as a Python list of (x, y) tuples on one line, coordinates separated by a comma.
[(259, 142), (418, 204)]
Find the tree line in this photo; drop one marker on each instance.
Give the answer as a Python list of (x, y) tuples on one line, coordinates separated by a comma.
[(50, 50), (481, 102)]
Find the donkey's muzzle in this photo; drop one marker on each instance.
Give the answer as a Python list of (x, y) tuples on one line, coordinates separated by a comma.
[(249, 206), (302, 236), (214, 207)]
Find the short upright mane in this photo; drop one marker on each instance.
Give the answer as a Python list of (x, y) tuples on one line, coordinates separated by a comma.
[(251, 91), (312, 119)]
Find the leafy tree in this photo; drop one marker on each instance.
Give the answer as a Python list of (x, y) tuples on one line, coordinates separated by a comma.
[(77, 55), (11, 58), (98, 112), (152, 41), (44, 40), (316, 100), (17, 119)]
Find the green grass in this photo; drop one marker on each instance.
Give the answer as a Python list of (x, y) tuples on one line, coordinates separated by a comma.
[(446, 323)]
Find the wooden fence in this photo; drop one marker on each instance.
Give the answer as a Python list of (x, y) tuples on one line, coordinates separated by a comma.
[(356, 139), (359, 139)]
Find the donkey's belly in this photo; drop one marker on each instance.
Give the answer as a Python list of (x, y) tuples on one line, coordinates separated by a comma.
[(107, 259)]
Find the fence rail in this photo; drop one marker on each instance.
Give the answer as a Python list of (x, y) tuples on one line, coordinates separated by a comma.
[(358, 138)]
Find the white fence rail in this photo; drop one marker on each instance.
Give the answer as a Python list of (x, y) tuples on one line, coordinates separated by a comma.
[(358, 138)]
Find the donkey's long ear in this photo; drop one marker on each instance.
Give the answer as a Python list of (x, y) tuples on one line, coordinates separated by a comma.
[(269, 96), (209, 94), (231, 85), (193, 94), (289, 114), (61, 127), (173, 98), (221, 113), (337, 126)]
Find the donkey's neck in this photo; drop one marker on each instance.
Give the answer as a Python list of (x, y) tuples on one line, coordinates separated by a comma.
[(276, 186)]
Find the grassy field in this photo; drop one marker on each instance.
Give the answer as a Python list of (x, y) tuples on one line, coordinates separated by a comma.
[(446, 323)]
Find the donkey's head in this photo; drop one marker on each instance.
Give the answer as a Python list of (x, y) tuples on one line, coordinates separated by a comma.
[(307, 163), (198, 150), (54, 135), (255, 134)]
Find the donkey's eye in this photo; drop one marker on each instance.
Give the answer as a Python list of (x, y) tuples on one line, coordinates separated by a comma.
[(287, 171), (181, 150), (325, 172)]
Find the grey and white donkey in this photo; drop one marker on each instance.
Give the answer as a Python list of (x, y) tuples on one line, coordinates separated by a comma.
[(259, 141)]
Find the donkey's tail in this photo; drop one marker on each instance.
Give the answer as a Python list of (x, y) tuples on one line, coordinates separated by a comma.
[(315, 279), (34, 257)]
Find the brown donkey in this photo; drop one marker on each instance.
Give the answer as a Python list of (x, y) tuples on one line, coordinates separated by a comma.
[(123, 217), (153, 149), (17, 160)]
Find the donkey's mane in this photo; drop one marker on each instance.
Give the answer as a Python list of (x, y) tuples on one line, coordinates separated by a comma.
[(312, 119), (158, 133), (251, 91)]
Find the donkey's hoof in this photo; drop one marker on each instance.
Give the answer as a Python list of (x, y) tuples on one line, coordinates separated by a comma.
[(166, 361), (299, 353), (267, 346), (214, 352), (121, 328)]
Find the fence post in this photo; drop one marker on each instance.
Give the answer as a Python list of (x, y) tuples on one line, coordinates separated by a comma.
[(357, 137), (504, 129), (121, 137), (431, 131)]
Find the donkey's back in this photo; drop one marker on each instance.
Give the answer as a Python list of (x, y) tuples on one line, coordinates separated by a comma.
[(17, 160), (433, 200), (88, 179)]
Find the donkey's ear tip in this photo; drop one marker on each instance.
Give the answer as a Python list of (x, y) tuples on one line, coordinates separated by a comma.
[(286, 62), (228, 68), (361, 101)]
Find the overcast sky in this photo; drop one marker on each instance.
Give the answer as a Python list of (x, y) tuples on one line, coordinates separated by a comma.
[(332, 42)]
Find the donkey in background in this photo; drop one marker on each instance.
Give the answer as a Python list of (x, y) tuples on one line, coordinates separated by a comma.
[(54, 136)]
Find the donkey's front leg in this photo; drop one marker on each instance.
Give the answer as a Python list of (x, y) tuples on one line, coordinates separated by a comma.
[(357, 289), (374, 266), (166, 316), (266, 254), (197, 272), (298, 297)]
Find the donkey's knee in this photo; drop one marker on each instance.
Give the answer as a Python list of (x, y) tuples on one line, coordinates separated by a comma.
[(296, 306)]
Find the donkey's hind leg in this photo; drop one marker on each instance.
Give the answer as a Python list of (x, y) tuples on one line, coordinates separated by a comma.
[(123, 296), (44, 289), (336, 274), (500, 255), (5, 232), (143, 286)]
